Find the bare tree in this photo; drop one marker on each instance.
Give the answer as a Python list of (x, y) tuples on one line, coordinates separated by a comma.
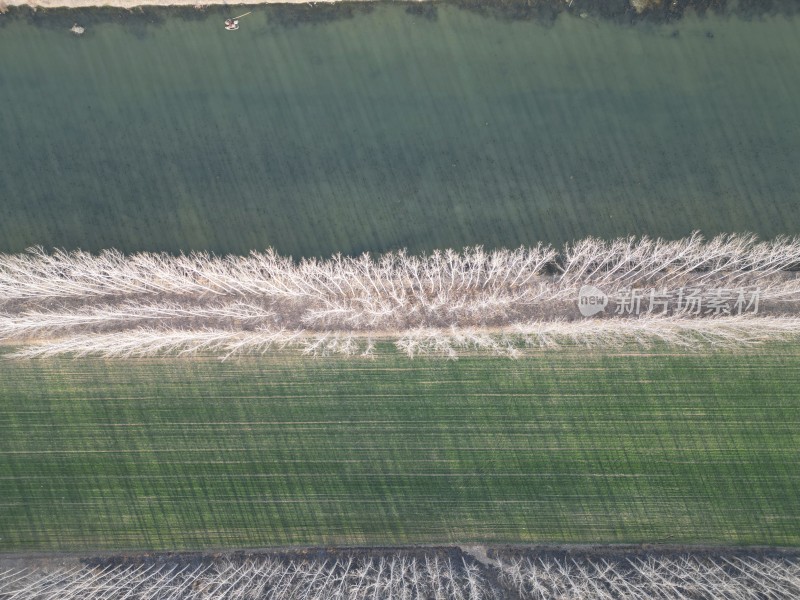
[(432, 576), (687, 577), (502, 301)]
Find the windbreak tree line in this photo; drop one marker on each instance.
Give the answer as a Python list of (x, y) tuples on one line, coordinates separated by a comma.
[(730, 291)]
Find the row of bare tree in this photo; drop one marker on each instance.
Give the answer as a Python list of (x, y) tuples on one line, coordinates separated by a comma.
[(723, 333), (348, 578), (687, 577), (399, 277), (433, 576), (501, 301)]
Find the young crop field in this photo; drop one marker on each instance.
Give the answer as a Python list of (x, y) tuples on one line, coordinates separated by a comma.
[(565, 446), (453, 130)]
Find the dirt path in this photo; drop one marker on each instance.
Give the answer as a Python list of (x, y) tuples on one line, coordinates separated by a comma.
[(479, 553)]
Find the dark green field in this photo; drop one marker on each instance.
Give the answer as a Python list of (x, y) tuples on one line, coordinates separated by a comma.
[(366, 128), (565, 446)]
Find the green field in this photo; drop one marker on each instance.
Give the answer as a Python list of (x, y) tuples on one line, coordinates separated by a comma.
[(369, 129), (373, 129), (565, 447)]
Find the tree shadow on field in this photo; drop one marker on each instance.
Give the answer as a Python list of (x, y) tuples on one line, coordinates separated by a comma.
[(426, 10), (296, 15), (546, 12), (137, 21), (758, 9)]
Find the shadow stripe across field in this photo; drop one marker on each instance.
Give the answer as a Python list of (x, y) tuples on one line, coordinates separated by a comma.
[(281, 450), (387, 130)]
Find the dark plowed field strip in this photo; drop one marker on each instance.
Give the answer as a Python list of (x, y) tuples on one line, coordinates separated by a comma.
[(562, 447)]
